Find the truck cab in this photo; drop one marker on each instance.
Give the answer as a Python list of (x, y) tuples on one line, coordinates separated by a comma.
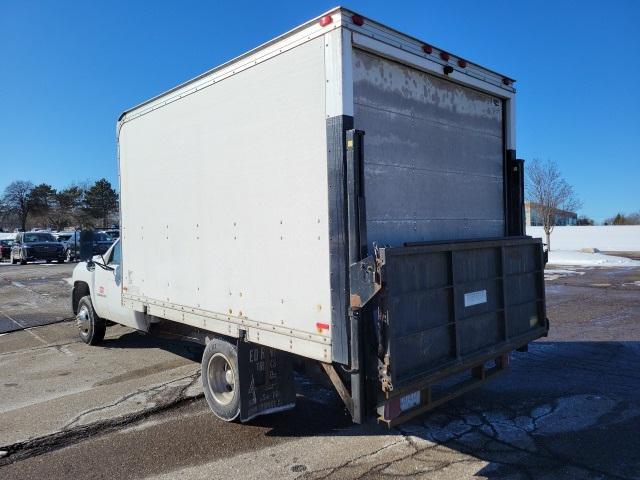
[(97, 296)]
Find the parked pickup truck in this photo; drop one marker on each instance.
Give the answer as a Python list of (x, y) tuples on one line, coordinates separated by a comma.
[(343, 194), (100, 244)]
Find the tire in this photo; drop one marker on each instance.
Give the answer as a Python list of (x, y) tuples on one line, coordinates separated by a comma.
[(48, 261), (220, 379), (60, 260), (90, 326)]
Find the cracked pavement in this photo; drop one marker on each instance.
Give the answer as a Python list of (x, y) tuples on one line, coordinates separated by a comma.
[(567, 408)]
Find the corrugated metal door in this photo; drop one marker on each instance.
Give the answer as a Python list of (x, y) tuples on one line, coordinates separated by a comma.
[(433, 154)]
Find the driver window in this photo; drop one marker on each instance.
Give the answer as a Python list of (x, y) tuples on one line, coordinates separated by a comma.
[(116, 255)]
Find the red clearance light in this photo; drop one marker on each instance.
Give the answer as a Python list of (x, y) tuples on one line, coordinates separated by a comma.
[(322, 326), (427, 48), (444, 56), (357, 19), (506, 81), (326, 20), (462, 63)]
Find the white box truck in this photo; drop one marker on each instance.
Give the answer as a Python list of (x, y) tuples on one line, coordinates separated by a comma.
[(345, 194)]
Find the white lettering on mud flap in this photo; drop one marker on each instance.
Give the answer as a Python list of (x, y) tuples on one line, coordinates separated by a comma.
[(475, 298)]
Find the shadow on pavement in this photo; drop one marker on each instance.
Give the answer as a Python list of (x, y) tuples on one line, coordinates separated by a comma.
[(564, 410), (188, 350)]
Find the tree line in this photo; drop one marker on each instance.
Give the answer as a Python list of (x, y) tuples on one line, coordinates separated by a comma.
[(622, 219), (24, 204)]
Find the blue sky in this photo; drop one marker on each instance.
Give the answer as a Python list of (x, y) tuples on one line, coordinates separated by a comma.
[(68, 68)]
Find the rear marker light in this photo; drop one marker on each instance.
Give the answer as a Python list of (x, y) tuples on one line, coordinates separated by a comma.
[(326, 20), (462, 63), (447, 69), (322, 326), (506, 81), (427, 48), (358, 20), (444, 56)]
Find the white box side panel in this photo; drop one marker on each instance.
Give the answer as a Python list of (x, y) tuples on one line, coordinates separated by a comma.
[(224, 196)]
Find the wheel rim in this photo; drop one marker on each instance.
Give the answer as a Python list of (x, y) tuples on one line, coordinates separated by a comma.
[(222, 379), (83, 321)]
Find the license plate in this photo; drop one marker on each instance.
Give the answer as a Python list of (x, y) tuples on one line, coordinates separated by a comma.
[(409, 401)]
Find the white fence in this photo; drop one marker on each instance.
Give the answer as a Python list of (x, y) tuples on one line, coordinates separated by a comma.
[(623, 238)]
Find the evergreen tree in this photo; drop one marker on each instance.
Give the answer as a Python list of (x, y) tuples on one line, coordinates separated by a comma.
[(101, 200)]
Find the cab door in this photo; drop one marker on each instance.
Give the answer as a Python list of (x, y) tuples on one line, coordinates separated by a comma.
[(108, 292)]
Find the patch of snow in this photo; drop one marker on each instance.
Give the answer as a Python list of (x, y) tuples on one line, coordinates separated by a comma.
[(560, 271), (555, 273), (69, 280), (564, 257), (610, 238)]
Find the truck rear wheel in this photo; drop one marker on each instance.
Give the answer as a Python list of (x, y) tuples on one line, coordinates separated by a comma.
[(91, 327), (220, 379)]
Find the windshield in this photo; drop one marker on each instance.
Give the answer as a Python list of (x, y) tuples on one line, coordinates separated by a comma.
[(38, 237), (6, 243), (102, 237)]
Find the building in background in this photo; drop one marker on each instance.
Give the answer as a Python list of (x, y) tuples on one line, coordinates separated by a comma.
[(532, 216)]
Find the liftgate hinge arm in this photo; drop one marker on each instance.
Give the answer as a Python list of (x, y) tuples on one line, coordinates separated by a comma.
[(364, 281)]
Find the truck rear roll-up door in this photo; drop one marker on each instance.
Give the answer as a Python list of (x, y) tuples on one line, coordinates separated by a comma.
[(434, 163), (454, 304)]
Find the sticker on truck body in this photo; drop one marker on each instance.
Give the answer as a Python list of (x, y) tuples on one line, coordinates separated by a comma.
[(409, 401), (475, 298)]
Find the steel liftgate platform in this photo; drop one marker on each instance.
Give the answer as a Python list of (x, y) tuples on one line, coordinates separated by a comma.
[(447, 308)]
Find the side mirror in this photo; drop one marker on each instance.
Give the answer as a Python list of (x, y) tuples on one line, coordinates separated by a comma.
[(86, 245)]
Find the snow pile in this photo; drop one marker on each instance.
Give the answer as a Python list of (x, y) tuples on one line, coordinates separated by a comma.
[(619, 238), (564, 257), (555, 273)]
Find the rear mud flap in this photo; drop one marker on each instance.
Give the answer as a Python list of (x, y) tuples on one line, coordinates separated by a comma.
[(266, 381)]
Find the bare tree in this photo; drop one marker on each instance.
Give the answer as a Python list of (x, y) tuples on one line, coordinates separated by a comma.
[(549, 193), (17, 199)]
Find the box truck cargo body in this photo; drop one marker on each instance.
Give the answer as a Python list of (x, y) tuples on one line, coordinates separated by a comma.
[(344, 193)]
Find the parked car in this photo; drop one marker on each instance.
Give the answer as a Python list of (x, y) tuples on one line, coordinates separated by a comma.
[(5, 248), (71, 242), (34, 246), (101, 243)]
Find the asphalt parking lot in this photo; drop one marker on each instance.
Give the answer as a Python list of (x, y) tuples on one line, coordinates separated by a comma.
[(568, 408), (33, 294)]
